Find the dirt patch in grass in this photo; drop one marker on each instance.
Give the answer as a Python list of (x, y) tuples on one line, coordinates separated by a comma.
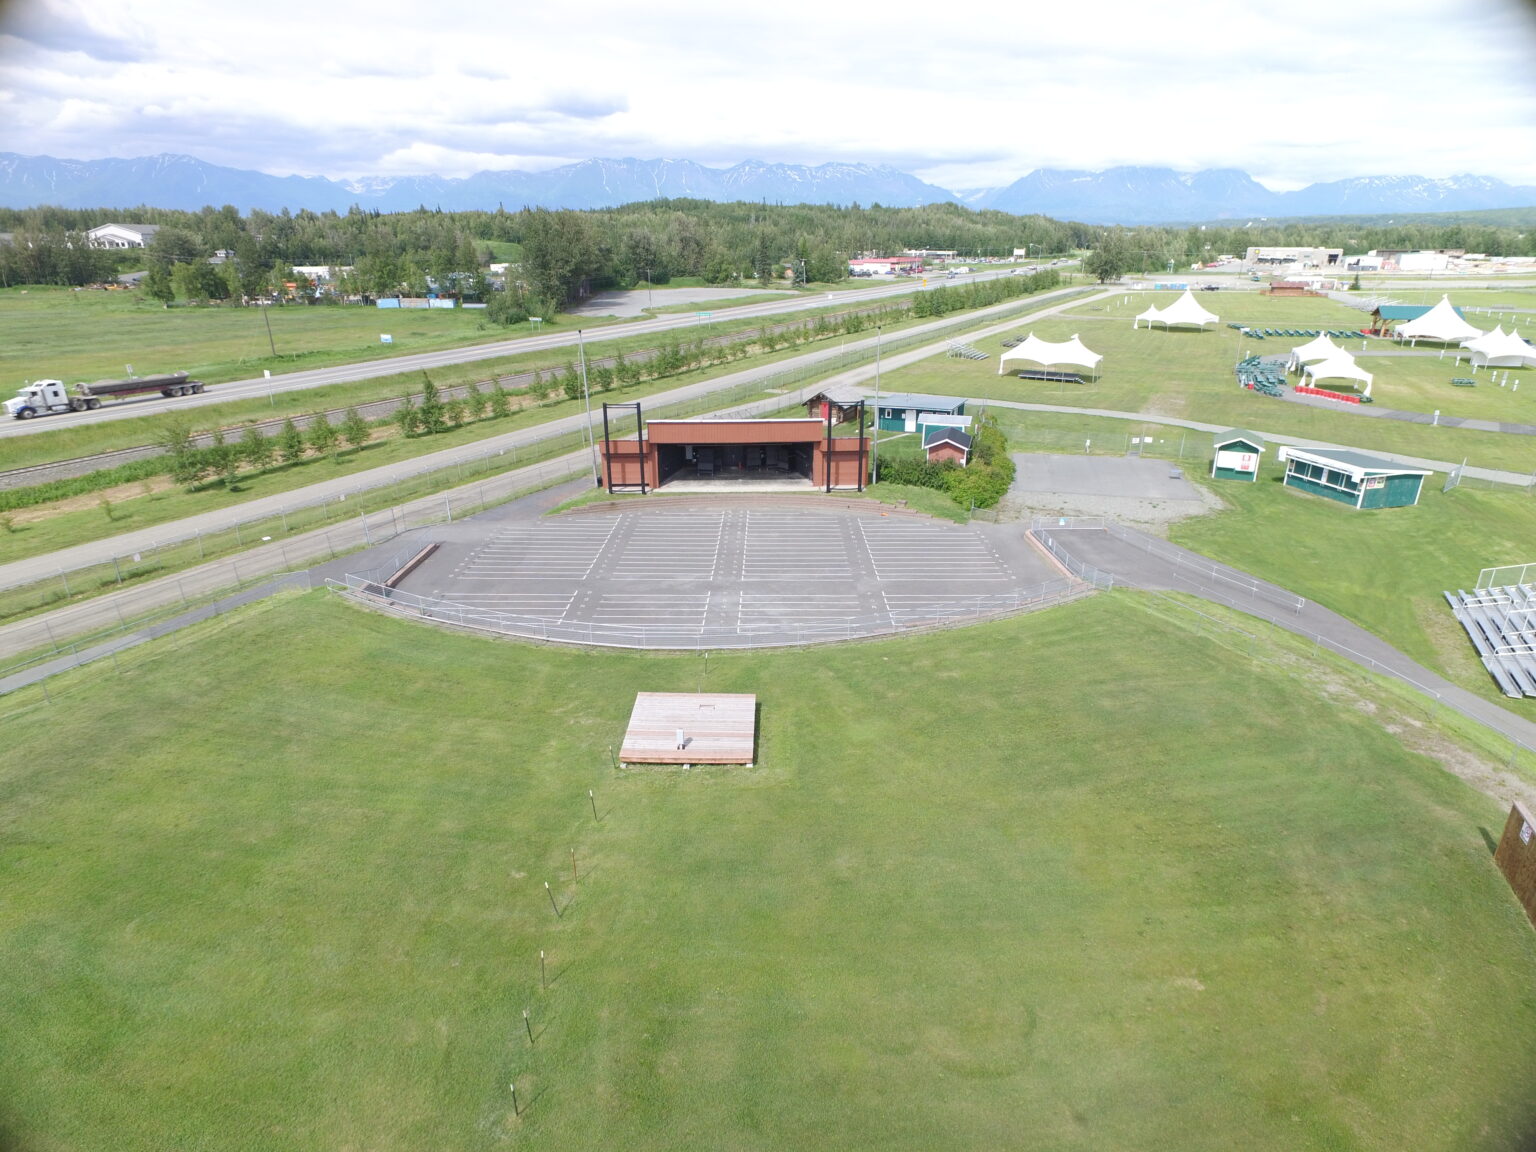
[(116, 495)]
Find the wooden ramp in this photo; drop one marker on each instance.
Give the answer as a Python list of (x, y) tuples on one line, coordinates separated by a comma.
[(717, 728)]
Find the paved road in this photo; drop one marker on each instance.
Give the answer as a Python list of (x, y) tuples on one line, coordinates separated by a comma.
[(1145, 562), (1497, 475), (367, 369), (21, 572), (1440, 419)]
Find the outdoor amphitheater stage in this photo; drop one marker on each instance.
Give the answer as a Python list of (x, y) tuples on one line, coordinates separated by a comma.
[(725, 571)]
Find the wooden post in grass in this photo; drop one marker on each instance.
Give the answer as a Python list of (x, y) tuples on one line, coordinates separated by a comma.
[(1516, 856), (543, 977), (528, 1024), (514, 1098), (593, 799), (552, 903)]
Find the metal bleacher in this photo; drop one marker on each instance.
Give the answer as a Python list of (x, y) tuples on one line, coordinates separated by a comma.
[(958, 348), (1501, 623)]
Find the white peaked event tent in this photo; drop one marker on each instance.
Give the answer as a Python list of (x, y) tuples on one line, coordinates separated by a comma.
[(1342, 367), (1440, 323), (1186, 310), (1310, 353), (1500, 349), (1047, 355)]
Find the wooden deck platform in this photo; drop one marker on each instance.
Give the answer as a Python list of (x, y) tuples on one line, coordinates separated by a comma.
[(717, 728)]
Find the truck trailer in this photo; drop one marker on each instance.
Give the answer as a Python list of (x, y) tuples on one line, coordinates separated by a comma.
[(44, 396)]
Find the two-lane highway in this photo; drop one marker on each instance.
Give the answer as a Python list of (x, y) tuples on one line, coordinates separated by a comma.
[(567, 337)]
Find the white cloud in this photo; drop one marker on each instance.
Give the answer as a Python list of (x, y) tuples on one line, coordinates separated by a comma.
[(1294, 92)]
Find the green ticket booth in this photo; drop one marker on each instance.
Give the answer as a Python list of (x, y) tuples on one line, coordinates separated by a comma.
[(1237, 455)]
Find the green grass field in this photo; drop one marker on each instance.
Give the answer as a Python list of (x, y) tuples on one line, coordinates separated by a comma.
[(1385, 571), (85, 335), (1018, 885), (1189, 375)]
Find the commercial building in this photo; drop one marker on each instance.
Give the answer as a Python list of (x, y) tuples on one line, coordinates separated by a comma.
[(121, 235), (1260, 259)]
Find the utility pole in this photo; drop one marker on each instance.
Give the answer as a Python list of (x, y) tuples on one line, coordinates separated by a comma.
[(874, 444), (586, 396)]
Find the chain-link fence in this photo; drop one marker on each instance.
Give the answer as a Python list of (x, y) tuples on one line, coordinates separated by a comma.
[(665, 635), (368, 501), (1195, 569), (124, 607), (26, 681), (1167, 443)]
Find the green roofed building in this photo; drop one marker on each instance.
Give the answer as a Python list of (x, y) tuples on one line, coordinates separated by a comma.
[(1237, 455), (1352, 478), (904, 411)]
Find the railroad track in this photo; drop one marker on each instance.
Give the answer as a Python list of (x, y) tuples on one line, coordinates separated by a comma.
[(372, 410)]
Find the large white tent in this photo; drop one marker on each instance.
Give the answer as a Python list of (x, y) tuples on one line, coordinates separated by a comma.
[(1186, 311), (1341, 367), (1500, 349), (1442, 322), (1311, 352), (1051, 355)]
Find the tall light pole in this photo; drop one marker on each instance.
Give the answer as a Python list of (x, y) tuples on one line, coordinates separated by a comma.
[(586, 396), (874, 444)]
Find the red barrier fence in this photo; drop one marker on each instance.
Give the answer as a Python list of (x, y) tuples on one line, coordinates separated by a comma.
[(1308, 390)]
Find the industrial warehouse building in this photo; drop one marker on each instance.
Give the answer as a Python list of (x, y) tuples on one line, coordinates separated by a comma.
[(1260, 259)]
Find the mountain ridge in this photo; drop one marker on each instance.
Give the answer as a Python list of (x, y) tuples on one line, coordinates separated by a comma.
[(1119, 195)]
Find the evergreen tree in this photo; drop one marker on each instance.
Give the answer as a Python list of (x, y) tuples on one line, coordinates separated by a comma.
[(157, 285), (290, 442), (188, 463), (430, 413), (224, 458), (354, 429), (406, 418), (322, 436), (475, 402), (256, 449), (501, 405)]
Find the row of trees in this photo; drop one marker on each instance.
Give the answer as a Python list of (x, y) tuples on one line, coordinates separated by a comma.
[(255, 451), (565, 254), (431, 414)]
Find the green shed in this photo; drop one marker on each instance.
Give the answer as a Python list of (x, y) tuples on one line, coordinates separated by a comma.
[(904, 411), (1352, 478), (1237, 455)]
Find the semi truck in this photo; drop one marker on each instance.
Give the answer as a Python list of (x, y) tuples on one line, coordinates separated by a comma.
[(44, 396)]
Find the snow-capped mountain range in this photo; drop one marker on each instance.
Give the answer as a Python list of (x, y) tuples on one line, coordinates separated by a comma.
[(1114, 196)]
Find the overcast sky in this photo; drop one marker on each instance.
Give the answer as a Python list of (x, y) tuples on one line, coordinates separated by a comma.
[(964, 95)]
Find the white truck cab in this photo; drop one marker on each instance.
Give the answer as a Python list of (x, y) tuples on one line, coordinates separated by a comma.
[(46, 396)]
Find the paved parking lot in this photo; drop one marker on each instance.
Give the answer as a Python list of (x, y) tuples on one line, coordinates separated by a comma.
[(731, 569), (1140, 477)]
